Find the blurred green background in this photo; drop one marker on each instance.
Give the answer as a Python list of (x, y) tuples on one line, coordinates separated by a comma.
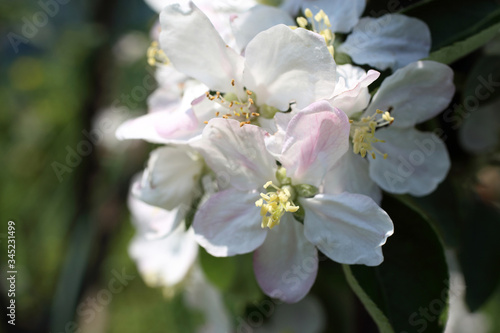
[(59, 76)]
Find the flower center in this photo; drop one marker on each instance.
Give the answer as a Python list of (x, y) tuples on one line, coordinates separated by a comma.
[(234, 106), (320, 24), (362, 133), (276, 204), (156, 55)]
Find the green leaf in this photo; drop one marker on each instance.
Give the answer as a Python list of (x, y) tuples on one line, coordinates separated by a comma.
[(450, 23), (479, 252), (439, 209), (378, 316), (408, 292), (221, 271), (459, 49), (486, 69)]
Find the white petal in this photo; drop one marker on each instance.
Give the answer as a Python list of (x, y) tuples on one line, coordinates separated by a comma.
[(170, 179), (351, 91), (348, 228), (151, 221), (229, 223), (343, 15), (201, 295), (287, 263), (416, 93), (161, 127), (237, 155), (350, 174), (195, 48), (315, 139), (284, 65), (157, 5), (390, 41), (165, 261), (480, 131), (417, 161), (259, 18)]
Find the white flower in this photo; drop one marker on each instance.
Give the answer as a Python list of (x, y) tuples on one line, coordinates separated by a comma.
[(280, 65), (390, 41), (403, 159), (171, 178), (163, 261), (349, 228), (170, 262), (219, 12)]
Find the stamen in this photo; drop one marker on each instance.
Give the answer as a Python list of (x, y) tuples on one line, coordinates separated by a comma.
[(320, 23), (242, 107), (156, 55), (277, 204), (363, 133)]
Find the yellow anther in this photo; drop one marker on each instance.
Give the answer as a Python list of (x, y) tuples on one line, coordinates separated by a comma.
[(330, 49), (277, 204), (326, 21), (156, 55), (319, 16), (302, 21), (308, 13), (234, 105), (363, 133)]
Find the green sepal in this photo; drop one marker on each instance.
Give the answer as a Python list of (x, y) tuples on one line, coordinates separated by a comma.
[(306, 190)]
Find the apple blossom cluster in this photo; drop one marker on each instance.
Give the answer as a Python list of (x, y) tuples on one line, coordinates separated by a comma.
[(272, 141)]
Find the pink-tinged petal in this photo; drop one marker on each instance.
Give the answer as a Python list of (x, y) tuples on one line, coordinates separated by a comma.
[(151, 221), (350, 174), (161, 127), (229, 223), (351, 91), (403, 91), (236, 154), (287, 263), (171, 178), (417, 161), (258, 18), (195, 48), (284, 65), (348, 228), (390, 41), (315, 139)]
